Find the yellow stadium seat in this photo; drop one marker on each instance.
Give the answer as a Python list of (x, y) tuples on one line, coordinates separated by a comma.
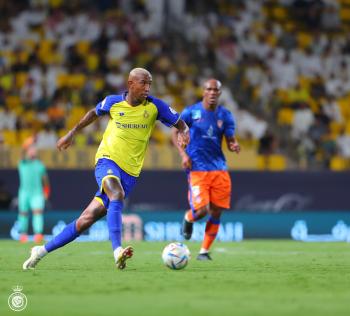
[(62, 132), (92, 61), (29, 44), (289, 26), (13, 101), (75, 115), (282, 95), (97, 136), (23, 135), (77, 80), (347, 127), (277, 163), (335, 128), (77, 111), (304, 39), (10, 137), (99, 83), (271, 162), (82, 48), (6, 81), (339, 163), (55, 3), (271, 39), (262, 162), (21, 79), (285, 116), (344, 106), (345, 14), (279, 13), (304, 82), (80, 140), (62, 80)]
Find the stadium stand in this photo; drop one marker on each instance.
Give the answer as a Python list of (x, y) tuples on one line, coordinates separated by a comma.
[(285, 66)]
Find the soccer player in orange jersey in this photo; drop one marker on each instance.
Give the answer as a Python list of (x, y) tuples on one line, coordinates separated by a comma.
[(209, 182)]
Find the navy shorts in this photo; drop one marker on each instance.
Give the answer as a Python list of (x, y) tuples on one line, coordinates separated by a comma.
[(106, 168)]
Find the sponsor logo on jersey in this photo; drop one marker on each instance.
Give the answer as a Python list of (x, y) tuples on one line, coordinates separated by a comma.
[(131, 125), (210, 133), (196, 114)]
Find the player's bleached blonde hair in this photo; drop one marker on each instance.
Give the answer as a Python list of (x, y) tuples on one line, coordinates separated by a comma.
[(137, 72)]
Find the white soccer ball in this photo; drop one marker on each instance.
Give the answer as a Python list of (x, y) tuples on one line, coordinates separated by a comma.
[(176, 255)]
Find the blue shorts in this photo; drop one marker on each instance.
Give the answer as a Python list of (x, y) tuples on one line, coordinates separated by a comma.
[(106, 168)]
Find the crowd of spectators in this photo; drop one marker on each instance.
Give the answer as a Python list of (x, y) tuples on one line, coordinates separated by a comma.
[(285, 66)]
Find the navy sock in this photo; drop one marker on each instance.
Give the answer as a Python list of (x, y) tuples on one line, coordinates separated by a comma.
[(68, 234), (114, 222)]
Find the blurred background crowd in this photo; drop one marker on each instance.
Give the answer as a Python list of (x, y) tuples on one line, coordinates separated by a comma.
[(285, 68)]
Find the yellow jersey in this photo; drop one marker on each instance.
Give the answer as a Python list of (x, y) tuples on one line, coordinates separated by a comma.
[(129, 128)]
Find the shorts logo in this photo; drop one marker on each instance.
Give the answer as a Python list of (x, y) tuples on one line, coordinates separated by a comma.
[(195, 191), (196, 194), (109, 171)]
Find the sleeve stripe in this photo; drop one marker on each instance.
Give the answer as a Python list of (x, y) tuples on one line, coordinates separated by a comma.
[(178, 119)]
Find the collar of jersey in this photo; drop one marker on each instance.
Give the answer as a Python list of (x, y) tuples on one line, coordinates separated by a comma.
[(124, 99)]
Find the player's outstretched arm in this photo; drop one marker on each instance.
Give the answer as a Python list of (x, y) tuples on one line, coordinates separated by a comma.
[(179, 144), (183, 135), (65, 141), (233, 145)]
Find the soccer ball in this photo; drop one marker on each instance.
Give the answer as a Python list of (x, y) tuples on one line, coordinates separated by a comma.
[(176, 255)]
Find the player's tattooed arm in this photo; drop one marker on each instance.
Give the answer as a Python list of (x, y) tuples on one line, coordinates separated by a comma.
[(65, 141), (232, 144), (185, 159), (183, 134)]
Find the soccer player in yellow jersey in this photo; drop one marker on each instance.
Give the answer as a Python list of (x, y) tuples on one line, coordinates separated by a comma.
[(119, 160)]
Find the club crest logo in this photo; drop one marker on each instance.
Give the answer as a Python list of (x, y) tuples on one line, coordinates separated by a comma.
[(145, 114), (220, 123), (17, 300), (121, 113)]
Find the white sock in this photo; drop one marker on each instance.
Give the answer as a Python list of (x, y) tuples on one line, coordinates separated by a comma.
[(116, 253), (203, 250), (41, 251)]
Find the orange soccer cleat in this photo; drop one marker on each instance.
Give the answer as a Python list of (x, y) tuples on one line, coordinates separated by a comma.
[(23, 238), (38, 238)]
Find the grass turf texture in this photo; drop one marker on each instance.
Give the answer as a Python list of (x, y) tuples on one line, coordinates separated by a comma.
[(248, 278)]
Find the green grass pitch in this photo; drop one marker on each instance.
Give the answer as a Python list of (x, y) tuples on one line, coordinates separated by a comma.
[(249, 278)]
